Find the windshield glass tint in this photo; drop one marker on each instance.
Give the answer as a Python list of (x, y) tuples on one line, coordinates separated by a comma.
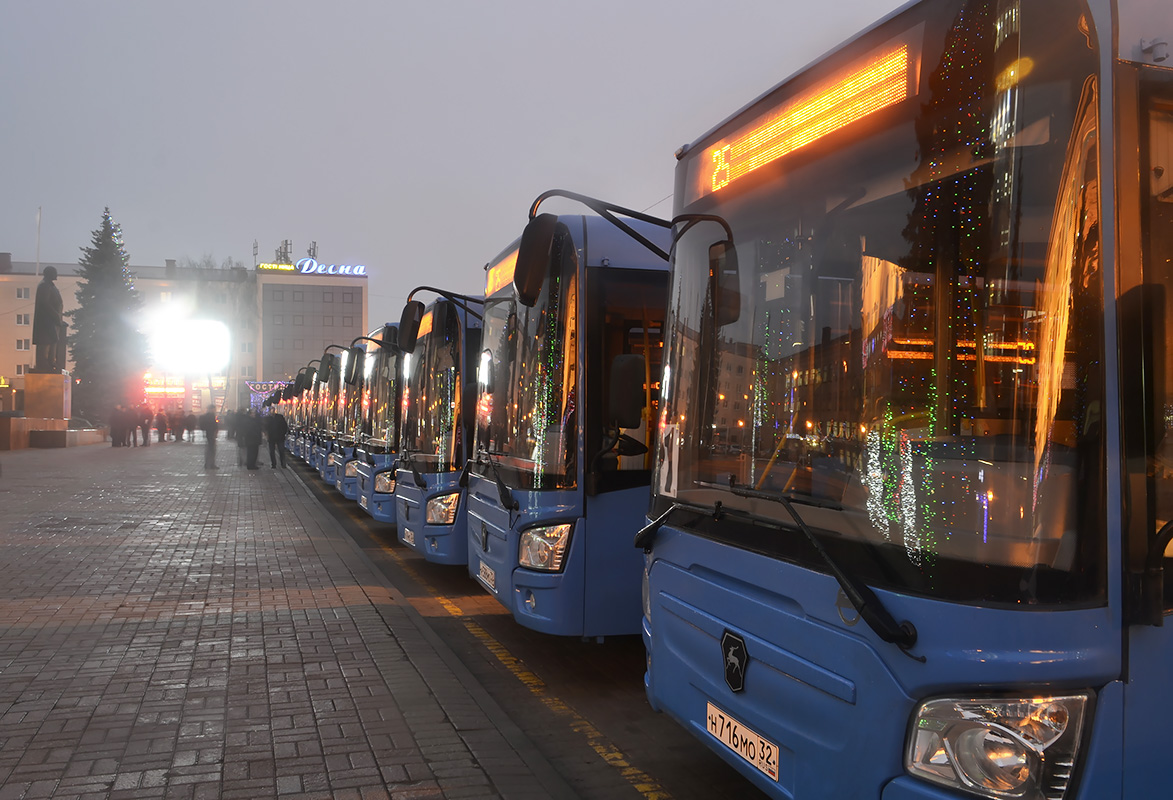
[(431, 395), (910, 339), (381, 380), (527, 380)]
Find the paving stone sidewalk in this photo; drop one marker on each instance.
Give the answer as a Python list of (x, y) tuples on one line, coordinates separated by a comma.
[(171, 632)]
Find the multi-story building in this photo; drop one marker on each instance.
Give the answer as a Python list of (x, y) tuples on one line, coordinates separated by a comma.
[(279, 317)]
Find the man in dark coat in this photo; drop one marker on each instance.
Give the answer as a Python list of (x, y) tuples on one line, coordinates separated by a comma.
[(49, 325), (210, 427), (275, 430), (248, 428)]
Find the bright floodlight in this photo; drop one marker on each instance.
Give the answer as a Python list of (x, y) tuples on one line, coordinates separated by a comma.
[(191, 347)]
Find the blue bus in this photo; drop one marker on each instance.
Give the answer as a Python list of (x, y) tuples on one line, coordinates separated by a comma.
[(911, 510), (334, 440), (439, 343), (377, 454), (560, 475), (362, 374)]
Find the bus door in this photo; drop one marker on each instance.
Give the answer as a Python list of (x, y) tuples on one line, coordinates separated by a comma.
[(1147, 372)]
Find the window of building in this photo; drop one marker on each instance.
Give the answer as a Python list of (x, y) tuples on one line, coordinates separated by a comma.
[(347, 322), (298, 297), (23, 319), (348, 297), (22, 293), (20, 369), (164, 297), (297, 319), (328, 322), (22, 344), (279, 294), (246, 347), (298, 344), (279, 319), (278, 368), (246, 371), (327, 297)]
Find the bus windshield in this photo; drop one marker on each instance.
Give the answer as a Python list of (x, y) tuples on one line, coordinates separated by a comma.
[(381, 380), (527, 377), (431, 394), (908, 341)]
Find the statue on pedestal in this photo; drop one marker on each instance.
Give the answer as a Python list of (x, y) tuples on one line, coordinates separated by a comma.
[(49, 325)]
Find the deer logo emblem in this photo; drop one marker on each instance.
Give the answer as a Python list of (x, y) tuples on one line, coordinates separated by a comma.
[(736, 659)]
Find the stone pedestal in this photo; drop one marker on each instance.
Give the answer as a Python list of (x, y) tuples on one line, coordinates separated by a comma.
[(48, 396)]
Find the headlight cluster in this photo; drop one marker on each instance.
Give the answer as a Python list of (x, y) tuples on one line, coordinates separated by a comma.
[(998, 747), (442, 510), (352, 468), (544, 547), (330, 460), (385, 482)]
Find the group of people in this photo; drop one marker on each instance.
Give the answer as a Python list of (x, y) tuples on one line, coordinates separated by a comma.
[(126, 423), (246, 427)]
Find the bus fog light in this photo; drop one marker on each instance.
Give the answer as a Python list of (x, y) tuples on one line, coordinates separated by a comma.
[(998, 747), (544, 547), (351, 468), (385, 482), (442, 510)]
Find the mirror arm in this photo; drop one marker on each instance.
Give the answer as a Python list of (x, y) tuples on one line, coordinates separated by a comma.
[(692, 219), (607, 211), (379, 342), (461, 300)]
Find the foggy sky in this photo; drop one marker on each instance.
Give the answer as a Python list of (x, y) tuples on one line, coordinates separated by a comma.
[(411, 138)]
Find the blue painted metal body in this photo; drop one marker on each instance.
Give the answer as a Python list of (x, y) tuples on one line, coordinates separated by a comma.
[(380, 505), (438, 543)]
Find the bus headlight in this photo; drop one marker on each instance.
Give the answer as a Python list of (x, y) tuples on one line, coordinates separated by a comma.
[(998, 747), (442, 510), (385, 482), (331, 459), (544, 547), (351, 470)]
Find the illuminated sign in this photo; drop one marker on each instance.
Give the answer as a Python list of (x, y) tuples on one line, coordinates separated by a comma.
[(309, 266), (867, 87), (500, 274), (425, 326)]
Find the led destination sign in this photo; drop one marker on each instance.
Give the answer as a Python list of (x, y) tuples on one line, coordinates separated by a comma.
[(869, 85), (309, 266)]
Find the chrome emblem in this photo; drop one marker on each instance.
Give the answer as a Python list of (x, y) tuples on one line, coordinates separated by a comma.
[(736, 658)]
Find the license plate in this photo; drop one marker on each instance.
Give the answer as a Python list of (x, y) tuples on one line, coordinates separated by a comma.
[(338, 484), (488, 577), (363, 503), (753, 749), (408, 536)]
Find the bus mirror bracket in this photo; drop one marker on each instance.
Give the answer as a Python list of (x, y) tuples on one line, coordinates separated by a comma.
[(726, 282)]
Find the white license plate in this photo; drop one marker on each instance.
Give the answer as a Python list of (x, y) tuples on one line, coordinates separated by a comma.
[(761, 753), (363, 502), (488, 577), (408, 536), (338, 484)]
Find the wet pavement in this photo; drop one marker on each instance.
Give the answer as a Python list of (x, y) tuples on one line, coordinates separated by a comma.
[(172, 632)]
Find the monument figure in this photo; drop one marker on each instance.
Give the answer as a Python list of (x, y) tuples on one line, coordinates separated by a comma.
[(49, 325)]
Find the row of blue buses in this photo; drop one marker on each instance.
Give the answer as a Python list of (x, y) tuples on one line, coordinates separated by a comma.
[(902, 447)]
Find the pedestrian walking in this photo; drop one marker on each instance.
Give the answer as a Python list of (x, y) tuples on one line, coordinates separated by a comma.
[(276, 428), (210, 427), (249, 430)]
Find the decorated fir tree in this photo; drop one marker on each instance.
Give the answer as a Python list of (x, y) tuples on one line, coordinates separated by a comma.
[(108, 351)]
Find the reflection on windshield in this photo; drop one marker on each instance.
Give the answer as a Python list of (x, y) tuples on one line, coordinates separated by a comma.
[(918, 348), (527, 381), (431, 396)]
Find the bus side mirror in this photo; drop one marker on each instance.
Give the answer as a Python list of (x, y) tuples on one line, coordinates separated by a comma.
[(725, 283), (311, 375), (327, 370), (299, 383), (626, 407), (390, 336), (409, 325), (354, 358), (533, 258)]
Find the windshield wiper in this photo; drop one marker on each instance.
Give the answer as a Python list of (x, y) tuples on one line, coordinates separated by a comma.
[(866, 602), (504, 494)]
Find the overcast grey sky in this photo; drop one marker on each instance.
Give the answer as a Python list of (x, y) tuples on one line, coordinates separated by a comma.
[(407, 137)]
